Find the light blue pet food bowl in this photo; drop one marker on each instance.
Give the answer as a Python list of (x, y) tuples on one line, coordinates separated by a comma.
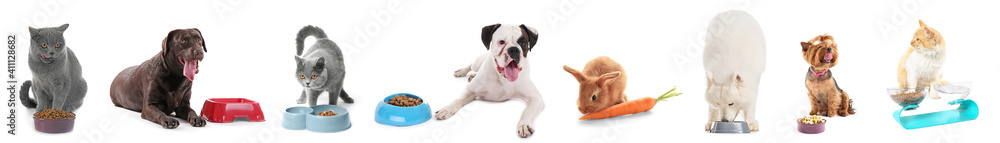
[(389, 114), (295, 118), (328, 124)]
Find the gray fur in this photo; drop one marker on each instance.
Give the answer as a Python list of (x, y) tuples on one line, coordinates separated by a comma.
[(323, 60), (58, 83)]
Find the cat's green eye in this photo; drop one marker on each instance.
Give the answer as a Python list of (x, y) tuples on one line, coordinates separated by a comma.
[(314, 76), (45, 46), (302, 76)]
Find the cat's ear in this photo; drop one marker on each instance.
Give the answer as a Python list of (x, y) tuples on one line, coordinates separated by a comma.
[(922, 23), (928, 33), (166, 42), (487, 34), (32, 31), (298, 61), (202, 39), (63, 27), (320, 63)]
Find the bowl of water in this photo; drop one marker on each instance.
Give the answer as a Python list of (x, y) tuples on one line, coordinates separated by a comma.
[(953, 91)]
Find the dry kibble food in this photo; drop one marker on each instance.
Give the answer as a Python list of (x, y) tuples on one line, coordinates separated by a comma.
[(908, 98), (54, 114), (404, 101), (326, 113), (812, 120)]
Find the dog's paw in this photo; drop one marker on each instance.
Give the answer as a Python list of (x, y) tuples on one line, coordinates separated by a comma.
[(300, 101), (471, 75), (169, 123), (444, 113), (708, 126), (525, 129), (753, 126), (460, 72), (197, 121)]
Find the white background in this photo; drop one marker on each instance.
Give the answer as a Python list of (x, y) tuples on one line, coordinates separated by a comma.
[(413, 46)]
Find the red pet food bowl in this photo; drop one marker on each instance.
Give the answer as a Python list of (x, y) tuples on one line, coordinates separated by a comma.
[(224, 110)]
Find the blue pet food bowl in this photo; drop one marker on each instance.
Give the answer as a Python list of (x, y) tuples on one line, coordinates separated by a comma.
[(328, 124), (389, 114), (295, 118)]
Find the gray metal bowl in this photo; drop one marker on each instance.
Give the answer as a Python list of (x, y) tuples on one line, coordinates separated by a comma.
[(730, 127)]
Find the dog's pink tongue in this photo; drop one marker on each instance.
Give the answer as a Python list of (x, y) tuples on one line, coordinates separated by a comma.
[(190, 68), (511, 71), (828, 56)]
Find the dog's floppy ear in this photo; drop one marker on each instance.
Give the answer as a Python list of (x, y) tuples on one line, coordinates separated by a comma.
[(320, 63), (805, 46), (576, 74), (202, 39), (738, 79), (531, 34), (166, 42), (607, 78), (488, 34)]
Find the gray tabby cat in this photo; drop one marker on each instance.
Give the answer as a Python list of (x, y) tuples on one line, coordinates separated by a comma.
[(319, 69), (58, 83)]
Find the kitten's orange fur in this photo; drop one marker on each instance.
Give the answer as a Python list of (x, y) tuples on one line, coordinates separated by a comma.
[(921, 65)]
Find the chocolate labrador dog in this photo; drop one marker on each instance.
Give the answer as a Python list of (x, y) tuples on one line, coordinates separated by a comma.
[(162, 85)]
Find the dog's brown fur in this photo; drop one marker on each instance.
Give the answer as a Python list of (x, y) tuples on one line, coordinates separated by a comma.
[(157, 87), (825, 95), (602, 84)]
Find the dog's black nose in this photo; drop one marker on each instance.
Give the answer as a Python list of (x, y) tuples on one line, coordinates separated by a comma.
[(514, 53), (725, 120), (828, 49)]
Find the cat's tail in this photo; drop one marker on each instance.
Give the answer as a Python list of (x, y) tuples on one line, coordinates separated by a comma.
[(307, 31), (27, 101)]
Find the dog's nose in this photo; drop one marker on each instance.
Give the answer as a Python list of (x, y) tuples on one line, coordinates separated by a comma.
[(514, 53), (828, 49), (725, 120)]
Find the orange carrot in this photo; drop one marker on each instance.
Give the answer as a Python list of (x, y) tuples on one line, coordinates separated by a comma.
[(630, 107)]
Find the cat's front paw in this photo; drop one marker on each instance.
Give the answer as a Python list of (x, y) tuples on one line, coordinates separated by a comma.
[(300, 101)]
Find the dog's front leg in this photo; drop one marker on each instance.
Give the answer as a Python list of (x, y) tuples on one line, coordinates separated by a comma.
[(526, 126), (713, 115), (450, 110), (184, 111), (749, 114), (151, 111)]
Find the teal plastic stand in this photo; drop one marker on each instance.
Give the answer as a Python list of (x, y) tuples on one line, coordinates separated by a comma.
[(966, 111)]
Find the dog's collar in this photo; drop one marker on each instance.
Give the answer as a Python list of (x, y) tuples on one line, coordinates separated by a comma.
[(820, 74)]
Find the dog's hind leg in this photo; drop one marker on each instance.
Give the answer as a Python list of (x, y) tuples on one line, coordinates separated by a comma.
[(526, 126), (448, 111), (845, 104)]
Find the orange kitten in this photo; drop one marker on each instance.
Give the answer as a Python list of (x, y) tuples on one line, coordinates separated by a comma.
[(921, 64)]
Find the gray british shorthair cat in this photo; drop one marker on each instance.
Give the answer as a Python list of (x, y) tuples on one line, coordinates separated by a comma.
[(320, 69), (58, 83)]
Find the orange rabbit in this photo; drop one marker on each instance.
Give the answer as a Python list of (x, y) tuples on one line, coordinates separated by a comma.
[(602, 84)]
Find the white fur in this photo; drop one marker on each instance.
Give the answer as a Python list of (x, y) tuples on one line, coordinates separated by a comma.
[(487, 84), (734, 48), (924, 64)]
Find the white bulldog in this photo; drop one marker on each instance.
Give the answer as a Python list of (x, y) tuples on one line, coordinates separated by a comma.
[(734, 61), (502, 74)]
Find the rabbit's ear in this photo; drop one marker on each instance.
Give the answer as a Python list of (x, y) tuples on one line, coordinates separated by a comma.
[(576, 74), (607, 78)]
